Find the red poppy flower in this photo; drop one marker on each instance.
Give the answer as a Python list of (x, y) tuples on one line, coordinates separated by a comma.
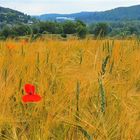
[(31, 95)]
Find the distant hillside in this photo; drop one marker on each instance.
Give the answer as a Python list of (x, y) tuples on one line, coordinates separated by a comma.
[(9, 16), (117, 14)]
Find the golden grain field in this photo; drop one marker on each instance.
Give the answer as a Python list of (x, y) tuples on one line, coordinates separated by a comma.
[(90, 89)]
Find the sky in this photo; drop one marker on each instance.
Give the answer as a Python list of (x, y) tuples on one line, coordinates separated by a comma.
[(38, 7)]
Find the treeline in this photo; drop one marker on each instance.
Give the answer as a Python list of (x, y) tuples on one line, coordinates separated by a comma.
[(116, 29), (78, 28)]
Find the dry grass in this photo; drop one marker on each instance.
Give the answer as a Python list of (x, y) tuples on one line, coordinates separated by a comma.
[(90, 90)]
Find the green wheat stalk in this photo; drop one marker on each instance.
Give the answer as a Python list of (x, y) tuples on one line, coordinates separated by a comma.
[(104, 64), (102, 94)]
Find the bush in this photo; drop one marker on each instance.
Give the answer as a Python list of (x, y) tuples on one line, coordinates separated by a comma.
[(69, 27), (64, 35), (6, 32), (101, 29), (81, 32)]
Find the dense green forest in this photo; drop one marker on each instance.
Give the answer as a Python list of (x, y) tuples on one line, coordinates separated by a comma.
[(113, 23), (78, 28)]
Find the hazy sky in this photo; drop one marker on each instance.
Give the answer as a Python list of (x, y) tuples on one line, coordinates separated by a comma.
[(36, 7)]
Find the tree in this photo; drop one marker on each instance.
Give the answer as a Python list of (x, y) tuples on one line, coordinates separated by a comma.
[(21, 30), (42, 27), (50, 27), (133, 29), (6, 32), (81, 31), (35, 28), (101, 29), (69, 27), (80, 23)]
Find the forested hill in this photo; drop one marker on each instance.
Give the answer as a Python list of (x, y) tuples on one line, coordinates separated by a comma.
[(117, 14), (9, 16)]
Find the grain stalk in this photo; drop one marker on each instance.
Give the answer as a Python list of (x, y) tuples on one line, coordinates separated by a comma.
[(104, 64), (102, 95), (5, 76), (81, 129), (77, 97), (47, 58), (22, 51), (20, 83)]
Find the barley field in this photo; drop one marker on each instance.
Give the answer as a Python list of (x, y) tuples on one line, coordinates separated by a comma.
[(90, 89)]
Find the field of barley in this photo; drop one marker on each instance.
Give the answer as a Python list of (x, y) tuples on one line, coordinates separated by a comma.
[(90, 89)]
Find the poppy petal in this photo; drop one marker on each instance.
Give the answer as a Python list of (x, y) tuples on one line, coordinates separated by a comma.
[(30, 89), (31, 98)]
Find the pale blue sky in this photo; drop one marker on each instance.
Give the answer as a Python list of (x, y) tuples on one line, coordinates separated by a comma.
[(37, 7)]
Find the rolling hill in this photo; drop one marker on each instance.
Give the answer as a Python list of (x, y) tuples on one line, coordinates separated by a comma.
[(117, 14), (9, 16)]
